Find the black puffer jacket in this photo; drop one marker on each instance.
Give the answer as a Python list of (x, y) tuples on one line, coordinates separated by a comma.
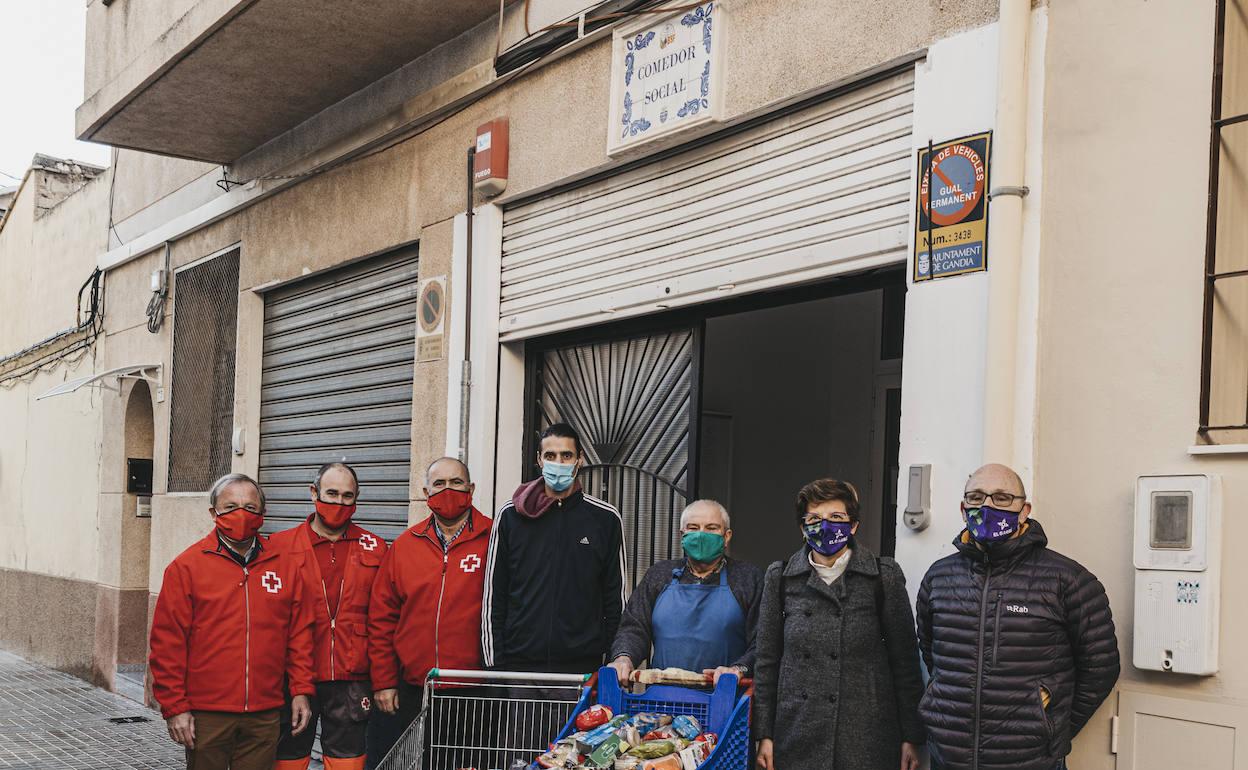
[(1020, 647)]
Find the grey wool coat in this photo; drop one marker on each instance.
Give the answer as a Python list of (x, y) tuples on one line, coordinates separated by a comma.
[(837, 680)]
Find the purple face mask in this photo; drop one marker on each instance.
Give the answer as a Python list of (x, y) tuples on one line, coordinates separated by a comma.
[(989, 525), (827, 537)]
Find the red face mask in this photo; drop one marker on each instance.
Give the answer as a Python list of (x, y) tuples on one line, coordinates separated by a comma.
[(450, 504), (240, 524), (335, 515)]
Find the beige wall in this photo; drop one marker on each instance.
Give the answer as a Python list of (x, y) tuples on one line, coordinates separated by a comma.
[(119, 33), (1125, 174)]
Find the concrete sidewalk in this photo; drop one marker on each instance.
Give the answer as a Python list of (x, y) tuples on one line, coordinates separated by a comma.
[(49, 720)]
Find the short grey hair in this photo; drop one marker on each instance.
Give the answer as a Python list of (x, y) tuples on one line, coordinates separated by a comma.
[(462, 464), (684, 515), (220, 484)]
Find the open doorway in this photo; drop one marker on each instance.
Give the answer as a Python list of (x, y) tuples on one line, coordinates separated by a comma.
[(795, 392)]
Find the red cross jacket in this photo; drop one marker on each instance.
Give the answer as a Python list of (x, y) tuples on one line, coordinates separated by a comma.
[(341, 647), (224, 636), (426, 605)]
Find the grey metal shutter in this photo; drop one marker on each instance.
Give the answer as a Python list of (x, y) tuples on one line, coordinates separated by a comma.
[(339, 351), (812, 194)]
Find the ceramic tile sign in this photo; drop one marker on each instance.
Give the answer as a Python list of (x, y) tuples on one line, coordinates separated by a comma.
[(951, 217), (665, 76)]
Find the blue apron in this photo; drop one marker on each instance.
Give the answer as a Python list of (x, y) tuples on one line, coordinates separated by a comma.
[(697, 626)]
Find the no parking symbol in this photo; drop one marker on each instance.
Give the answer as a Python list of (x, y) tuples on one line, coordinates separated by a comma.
[(951, 217)]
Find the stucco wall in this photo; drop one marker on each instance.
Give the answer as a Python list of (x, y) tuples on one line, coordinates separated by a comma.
[(1120, 303)]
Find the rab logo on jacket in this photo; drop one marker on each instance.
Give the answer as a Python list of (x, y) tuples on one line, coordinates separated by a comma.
[(368, 542), (271, 582), (470, 563)]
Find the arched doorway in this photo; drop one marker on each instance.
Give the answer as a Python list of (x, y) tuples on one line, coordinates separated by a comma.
[(134, 553)]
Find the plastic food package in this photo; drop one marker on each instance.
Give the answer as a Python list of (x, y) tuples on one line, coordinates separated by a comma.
[(695, 754), (646, 722), (627, 762), (670, 762), (686, 727), (605, 754), (653, 749), (591, 740), (593, 717), (559, 756), (629, 734), (665, 733)]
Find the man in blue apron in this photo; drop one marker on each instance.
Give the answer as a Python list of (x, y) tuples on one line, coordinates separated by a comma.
[(698, 613)]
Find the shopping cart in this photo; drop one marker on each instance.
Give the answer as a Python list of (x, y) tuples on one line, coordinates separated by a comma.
[(719, 710), (487, 719)]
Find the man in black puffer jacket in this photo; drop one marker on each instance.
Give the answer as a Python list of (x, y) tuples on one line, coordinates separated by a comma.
[(1018, 640)]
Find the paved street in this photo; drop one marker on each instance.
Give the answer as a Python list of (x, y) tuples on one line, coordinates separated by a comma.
[(53, 720)]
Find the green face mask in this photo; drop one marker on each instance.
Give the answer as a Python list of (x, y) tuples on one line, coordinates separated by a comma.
[(702, 547)]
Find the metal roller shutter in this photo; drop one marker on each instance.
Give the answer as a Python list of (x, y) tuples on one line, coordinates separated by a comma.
[(339, 352), (811, 194)]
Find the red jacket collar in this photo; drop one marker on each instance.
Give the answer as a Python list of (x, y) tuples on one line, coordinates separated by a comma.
[(304, 537), (476, 527), (211, 544)]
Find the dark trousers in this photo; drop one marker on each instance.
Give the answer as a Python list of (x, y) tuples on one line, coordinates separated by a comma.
[(226, 741), (384, 730), (342, 709)]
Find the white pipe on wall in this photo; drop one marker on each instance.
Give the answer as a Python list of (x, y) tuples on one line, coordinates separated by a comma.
[(1005, 232)]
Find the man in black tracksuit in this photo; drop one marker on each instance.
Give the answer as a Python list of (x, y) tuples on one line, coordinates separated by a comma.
[(555, 574), (1018, 639)]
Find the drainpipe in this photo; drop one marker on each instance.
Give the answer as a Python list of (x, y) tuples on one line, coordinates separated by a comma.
[(465, 377), (1005, 234)]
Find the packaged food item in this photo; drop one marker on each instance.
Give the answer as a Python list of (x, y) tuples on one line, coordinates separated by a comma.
[(605, 754), (669, 762), (653, 749), (687, 727), (627, 762), (629, 734), (660, 734), (560, 755), (694, 754), (587, 743), (646, 722), (592, 717)]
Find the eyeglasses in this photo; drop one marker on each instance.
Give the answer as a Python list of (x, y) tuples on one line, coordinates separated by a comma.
[(999, 499)]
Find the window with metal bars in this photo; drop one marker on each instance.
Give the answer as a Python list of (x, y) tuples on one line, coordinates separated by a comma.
[(1224, 369), (205, 328)]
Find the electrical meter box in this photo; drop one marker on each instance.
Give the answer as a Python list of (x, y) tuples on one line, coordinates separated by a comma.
[(1178, 566)]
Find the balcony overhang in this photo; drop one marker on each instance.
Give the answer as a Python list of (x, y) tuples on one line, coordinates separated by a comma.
[(229, 76)]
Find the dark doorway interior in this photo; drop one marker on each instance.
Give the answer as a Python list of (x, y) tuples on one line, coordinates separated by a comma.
[(797, 392)]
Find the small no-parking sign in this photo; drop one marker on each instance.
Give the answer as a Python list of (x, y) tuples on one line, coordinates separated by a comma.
[(951, 220), (430, 318)]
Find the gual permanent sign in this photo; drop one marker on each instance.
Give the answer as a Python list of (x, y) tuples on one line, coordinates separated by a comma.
[(951, 223), (665, 76), (430, 318)]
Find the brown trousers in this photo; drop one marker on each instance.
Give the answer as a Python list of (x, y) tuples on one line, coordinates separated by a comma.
[(225, 741)]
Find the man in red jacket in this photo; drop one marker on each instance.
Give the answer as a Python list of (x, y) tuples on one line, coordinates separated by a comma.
[(426, 606), (340, 561), (230, 625)]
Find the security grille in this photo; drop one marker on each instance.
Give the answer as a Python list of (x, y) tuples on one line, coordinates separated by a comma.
[(631, 401), (205, 329), (339, 351)]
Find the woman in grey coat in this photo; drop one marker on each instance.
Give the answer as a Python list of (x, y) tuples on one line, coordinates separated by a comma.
[(837, 681)]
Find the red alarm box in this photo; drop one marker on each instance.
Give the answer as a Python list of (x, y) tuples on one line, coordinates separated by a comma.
[(489, 165)]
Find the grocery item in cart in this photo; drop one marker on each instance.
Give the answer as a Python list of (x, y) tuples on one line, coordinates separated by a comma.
[(653, 749), (592, 717), (687, 727), (670, 676)]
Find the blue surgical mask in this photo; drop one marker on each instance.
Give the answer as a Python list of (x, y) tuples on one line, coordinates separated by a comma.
[(828, 537), (558, 476), (989, 525)]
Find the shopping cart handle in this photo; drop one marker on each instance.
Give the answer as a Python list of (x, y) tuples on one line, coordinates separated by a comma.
[(509, 676)]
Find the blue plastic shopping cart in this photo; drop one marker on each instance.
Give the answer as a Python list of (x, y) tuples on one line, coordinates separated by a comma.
[(720, 711)]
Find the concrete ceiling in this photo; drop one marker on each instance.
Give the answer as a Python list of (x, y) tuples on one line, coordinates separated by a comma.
[(271, 67)]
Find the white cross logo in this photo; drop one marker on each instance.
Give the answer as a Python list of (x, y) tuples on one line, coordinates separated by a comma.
[(368, 542), (271, 582), (1003, 525), (470, 563)]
